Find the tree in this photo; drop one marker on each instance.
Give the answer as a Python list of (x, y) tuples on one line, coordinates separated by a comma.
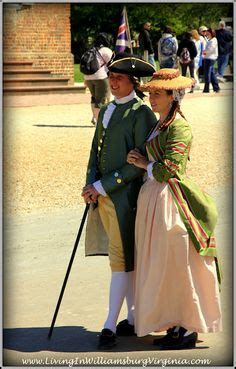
[(87, 20)]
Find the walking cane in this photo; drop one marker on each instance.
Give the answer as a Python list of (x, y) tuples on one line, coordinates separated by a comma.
[(68, 270)]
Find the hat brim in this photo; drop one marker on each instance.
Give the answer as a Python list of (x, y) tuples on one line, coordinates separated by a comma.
[(132, 66), (178, 83)]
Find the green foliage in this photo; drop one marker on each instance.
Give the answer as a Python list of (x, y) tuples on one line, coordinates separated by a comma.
[(87, 20), (78, 76)]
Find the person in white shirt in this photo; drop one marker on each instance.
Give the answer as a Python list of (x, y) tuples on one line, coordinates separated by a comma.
[(97, 83), (198, 59), (202, 32), (167, 49), (210, 55)]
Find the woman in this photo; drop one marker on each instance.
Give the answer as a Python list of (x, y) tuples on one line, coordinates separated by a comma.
[(97, 83), (176, 287), (186, 53), (198, 59), (210, 55)]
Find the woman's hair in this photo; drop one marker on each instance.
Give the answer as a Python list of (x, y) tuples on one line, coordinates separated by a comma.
[(102, 39), (175, 108), (195, 34), (212, 32), (168, 29), (187, 35)]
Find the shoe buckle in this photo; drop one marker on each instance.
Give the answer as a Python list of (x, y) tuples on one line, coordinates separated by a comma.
[(175, 334)]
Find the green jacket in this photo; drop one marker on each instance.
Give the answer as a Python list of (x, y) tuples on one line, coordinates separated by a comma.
[(170, 151), (128, 128)]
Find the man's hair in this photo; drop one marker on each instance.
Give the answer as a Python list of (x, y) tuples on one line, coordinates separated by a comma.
[(222, 24)]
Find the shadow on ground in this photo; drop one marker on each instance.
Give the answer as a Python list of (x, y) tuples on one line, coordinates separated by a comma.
[(60, 126), (69, 339)]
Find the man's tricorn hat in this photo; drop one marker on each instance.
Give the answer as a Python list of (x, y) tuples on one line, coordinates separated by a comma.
[(130, 64)]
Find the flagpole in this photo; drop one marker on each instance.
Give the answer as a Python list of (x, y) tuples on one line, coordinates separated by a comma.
[(128, 31)]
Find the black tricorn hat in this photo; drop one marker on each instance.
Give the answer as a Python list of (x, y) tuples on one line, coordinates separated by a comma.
[(130, 64)]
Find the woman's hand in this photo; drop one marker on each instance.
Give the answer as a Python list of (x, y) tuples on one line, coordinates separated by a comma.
[(90, 194), (134, 157)]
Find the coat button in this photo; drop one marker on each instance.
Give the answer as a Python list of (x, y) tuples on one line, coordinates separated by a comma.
[(116, 174), (99, 148), (118, 180), (101, 140)]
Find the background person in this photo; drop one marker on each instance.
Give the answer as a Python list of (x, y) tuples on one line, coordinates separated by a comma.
[(145, 44), (167, 49), (186, 53), (224, 38), (198, 59), (210, 55), (202, 32), (97, 83)]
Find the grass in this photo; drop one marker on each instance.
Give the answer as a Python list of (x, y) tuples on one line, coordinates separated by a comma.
[(78, 76)]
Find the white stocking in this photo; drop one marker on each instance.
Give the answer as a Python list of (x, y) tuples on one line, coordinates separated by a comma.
[(118, 291), (130, 298)]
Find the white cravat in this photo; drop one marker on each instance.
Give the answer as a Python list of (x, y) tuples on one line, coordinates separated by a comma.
[(111, 107)]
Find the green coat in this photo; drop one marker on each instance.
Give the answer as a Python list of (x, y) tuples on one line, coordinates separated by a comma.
[(170, 150), (128, 128)]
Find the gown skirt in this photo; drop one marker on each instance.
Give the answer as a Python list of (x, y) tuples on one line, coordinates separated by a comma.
[(174, 285)]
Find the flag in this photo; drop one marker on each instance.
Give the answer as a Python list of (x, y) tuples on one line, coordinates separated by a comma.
[(123, 39)]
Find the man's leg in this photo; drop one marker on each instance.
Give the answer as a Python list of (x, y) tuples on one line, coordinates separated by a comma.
[(214, 81), (91, 86), (119, 278), (130, 298), (223, 61), (101, 91), (151, 60), (183, 69), (207, 64)]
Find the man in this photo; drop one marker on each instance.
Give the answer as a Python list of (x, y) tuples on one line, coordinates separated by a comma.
[(224, 39), (145, 44), (113, 185)]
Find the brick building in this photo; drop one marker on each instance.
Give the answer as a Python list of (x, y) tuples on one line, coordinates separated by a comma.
[(39, 32)]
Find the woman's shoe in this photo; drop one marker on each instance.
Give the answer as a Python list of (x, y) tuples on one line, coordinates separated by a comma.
[(125, 329), (107, 339), (177, 341), (165, 339)]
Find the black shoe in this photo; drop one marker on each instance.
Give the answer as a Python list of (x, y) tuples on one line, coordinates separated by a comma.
[(206, 92), (177, 341), (217, 90), (165, 339), (107, 339), (125, 329)]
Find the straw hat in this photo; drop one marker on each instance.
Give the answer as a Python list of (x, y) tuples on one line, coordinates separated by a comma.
[(167, 79), (130, 64)]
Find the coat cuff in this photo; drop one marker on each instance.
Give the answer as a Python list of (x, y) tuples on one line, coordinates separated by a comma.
[(98, 186), (149, 169)]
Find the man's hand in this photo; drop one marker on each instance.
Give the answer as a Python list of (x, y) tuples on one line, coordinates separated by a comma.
[(90, 194), (140, 161)]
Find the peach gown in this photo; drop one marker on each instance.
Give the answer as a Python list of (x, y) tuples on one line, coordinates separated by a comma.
[(174, 285)]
